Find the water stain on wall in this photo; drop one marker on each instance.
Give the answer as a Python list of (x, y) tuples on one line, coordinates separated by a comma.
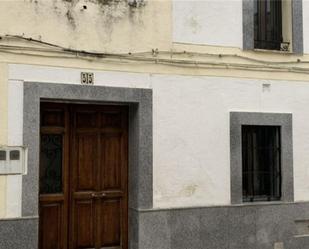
[(112, 11), (189, 190), (92, 25)]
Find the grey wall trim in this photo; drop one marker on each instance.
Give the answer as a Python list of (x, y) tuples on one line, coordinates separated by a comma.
[(229, 227), (140, 135), (251, 118), (297, 26), (248, 24)]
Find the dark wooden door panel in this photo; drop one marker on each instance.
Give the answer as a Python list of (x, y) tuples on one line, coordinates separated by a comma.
[(86, 201), (51, 219), (111, 223), (52, 115), (85, 119), (111, 159), (53, 176), (84, 224), (85, 161)]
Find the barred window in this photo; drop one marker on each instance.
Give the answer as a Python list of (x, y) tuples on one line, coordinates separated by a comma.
[(261, 163), (268, 24)]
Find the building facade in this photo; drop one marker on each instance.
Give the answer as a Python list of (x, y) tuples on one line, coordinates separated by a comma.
[(154, 124)]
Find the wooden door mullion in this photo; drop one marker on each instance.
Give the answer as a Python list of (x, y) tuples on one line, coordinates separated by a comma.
[(124, 180), (97, 217), (72, 160), (65, 176)]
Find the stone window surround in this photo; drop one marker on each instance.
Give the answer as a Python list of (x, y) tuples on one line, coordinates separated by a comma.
[(297, 26), (140, 142), (284, 120)]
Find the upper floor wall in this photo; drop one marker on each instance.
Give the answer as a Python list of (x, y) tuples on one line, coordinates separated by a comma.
[(191, 37), (224, 22), (109, 26), (208, 22), (123, 26)]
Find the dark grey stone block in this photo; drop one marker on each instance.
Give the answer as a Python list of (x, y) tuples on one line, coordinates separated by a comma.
[(30, 140), (248, 24), (133, 229), (214, 229), (154, 230), (19, 233), (250, 226), (185, 229), (241, 225), (297, 26), (272, 225)]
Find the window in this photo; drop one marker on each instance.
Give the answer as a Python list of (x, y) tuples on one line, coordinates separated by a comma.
[(261, 163), (273, 25), (268, 25), (261, 157)]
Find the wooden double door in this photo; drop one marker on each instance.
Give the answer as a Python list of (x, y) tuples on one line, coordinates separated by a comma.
[(83, 177)]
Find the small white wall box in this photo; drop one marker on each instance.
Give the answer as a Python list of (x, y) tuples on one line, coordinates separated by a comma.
[(12, 160)]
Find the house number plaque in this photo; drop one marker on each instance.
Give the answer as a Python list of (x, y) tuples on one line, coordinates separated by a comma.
[(87, 78)]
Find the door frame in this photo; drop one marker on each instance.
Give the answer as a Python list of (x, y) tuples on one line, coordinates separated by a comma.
[(140, 179)]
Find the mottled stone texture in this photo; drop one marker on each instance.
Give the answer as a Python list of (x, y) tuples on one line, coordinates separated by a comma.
[(19, 233), (230, 227), (297, 26), (248, 24), (227, 227)]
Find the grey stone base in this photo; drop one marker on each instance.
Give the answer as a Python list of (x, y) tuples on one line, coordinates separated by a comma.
[(231, 227), (19, 233)]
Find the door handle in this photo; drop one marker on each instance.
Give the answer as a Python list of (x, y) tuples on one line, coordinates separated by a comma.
[(98, 195), (95, 195)]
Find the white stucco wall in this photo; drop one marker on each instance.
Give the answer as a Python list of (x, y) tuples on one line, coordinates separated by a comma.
[(191, 127), (208, 22), (15, 138), (217, 22), (192, 143)]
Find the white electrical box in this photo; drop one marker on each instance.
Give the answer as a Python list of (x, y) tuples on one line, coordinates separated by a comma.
[(12, 160)]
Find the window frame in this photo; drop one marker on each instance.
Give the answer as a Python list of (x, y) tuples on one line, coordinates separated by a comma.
[(297, 26), (284, 121)]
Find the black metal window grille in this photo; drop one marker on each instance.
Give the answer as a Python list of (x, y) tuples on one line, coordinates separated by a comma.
[(268, 24), (261, 163)]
